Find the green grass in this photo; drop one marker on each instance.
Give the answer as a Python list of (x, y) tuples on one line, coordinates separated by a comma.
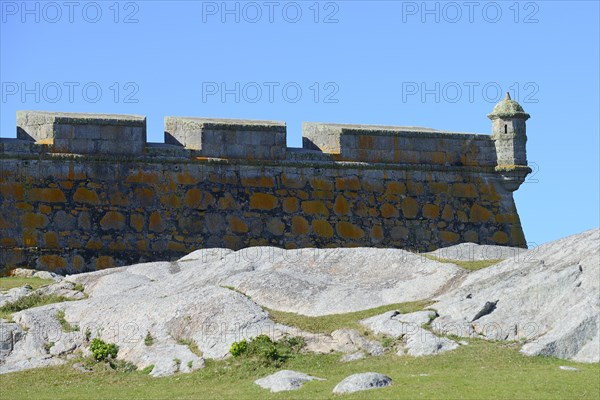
[(329, 323), (191, 345), (29, 301), (481, 370), (468, 265), (10, 282), (66, 326)]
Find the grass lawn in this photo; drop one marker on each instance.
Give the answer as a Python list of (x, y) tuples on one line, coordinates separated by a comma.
[(480, 370), (15, 281), (468, 265)]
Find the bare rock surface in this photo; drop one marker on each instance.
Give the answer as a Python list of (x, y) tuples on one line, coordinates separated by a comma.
[(285, 380), (549, 298), (478, 252), (364, 381), (415, 340)]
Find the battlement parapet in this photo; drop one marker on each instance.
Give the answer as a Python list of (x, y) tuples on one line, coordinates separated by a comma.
[(79, 133)]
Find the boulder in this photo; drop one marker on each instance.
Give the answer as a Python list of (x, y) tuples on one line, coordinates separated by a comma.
[(364, 381), (549, 298), (285, 380)]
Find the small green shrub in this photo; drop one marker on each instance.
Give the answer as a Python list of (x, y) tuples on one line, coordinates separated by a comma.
[(238, 348), (148, 369), (177, 364), (66, 326), (102, 350), (148, 340), (48, 346), (189, 364)]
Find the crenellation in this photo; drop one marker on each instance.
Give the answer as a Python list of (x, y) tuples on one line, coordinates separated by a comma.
[(81, 192)]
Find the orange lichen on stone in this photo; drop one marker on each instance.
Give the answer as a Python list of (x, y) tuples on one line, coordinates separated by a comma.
[(299, 225), (410, 207), (177, 247), (290, 204), (438, 187), (349, 183), (341, 206), (237, 225), (83, 195), (322, 228), (448, 213), (464, 190), (471, 236), (258, 181), (185, 178), (415, 188), (500, 237), (44, 209), (47, 195), (292, 182), (156, 223), (321, 184), (450, 237), (104, 262), (347, 230), (51, 240), (170, 200), (479, 214), (395, 188), (51, 262), (112, 220), (34, 221), (315, 207), (13, 191), (263, 201), (389, 211), (116, 246), (227, 202), (8, 242), (377, 232), (431, 211)]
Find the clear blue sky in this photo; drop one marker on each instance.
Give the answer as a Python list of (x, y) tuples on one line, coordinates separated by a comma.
[(434, 64)]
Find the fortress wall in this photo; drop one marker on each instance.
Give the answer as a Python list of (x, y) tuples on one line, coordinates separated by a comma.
[(65, 212)]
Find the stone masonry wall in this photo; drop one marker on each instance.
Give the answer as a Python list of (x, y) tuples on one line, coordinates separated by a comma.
[(64, 212)]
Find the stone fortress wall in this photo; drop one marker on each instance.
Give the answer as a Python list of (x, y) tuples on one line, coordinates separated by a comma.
[(82, 192)]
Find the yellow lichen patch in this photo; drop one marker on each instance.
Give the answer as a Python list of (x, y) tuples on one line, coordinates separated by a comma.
[(415, 188), (299, 225), (410, 207), (118, 199), (395, 188), (290, 204), (141, 245), (116, 246), (438, 187), (44, 209), (321, 184), (12, 191), (34, 221), (471, 236), (366, 142), (185, 178), (143, 196), (93, 245), (170, 200), (232, 242), (143, 177), (275, 226), (438, 157), (462, 216), (449, 237), (52, 262), (263, 201), (30, 238), (237, 225), (51, 240), (500, 237), (322, 228), (24, 206), (112, 220), (155, 222), (78, 263), (258, 181), (83, 195), (177, 247), (479, 214), (227, 202), (341, 206), (389, 211), (8, 242), (507, 218), (192, 198), (104, 262), (47, 195), (349, 183), (464, 190), (348, 231), (377, 232), (431, 211), (518, 238), (315, 208), (137, 222)]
